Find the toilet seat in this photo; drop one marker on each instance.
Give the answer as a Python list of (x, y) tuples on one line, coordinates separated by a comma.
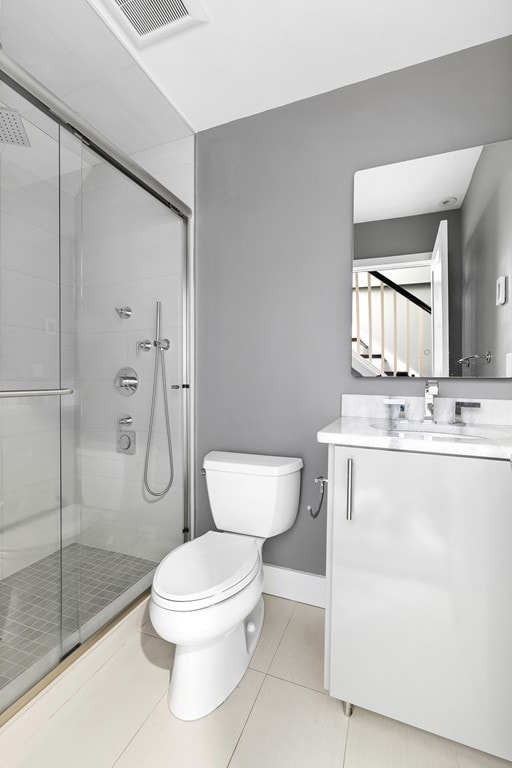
[(206, 571)]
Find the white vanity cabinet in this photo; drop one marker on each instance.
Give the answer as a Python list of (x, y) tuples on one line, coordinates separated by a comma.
[(419, 605)]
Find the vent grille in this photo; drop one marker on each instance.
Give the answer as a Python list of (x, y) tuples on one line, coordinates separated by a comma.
[(147, 16)]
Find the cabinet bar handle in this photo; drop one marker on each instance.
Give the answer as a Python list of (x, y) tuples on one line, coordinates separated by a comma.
[(350, 465)]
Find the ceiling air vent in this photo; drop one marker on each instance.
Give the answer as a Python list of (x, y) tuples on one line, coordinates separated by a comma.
[(146, 21), (147, 15)]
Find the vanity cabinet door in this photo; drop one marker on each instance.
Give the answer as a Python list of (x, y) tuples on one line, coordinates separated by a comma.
[(421, 592)]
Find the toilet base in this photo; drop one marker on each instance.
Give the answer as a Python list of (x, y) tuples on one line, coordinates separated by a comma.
[(204, 676)]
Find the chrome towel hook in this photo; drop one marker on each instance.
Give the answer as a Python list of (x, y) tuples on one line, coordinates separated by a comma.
[(470, 358), (322, 481)]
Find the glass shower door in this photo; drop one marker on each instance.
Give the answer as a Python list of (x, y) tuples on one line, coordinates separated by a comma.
[(131, 255), (30, 360), (80, 534)]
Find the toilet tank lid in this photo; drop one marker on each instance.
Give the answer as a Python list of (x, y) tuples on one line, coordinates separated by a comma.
[(251, 463)]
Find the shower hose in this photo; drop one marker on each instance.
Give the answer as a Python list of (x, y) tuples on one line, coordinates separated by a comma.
[(160, 346)]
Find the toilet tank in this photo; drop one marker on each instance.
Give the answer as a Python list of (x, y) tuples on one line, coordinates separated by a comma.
[(253, 494)]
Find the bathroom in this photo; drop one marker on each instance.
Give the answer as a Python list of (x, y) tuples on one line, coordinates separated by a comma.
[(271, 237)]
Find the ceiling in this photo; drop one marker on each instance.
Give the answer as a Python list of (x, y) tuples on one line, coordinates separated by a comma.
[(250, 57), (67, 47), (243, 60), (414, 187)]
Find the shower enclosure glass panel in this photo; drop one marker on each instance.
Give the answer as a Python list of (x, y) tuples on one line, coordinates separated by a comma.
[(131, 255), (79, 535), (30, 332)]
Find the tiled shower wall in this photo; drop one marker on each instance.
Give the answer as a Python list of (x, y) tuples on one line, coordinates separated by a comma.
[(132, 254), (32, 228)]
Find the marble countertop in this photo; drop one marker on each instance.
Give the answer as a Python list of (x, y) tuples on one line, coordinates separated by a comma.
[(478, 440)]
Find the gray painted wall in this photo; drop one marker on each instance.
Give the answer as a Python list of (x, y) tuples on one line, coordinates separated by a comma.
[(417, 234), (408, 234), (274, 253), (487, 242)]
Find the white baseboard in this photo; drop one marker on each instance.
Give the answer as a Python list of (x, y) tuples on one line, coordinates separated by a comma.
[(294, 585)]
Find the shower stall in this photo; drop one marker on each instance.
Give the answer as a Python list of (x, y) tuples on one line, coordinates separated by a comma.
[(81, 239)]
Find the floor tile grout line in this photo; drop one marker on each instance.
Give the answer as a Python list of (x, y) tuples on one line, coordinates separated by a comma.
[(346, 741), (324, 691), (78, 690), (247, 718), (147, 633), (89, 678), (139, 632), (137, 731), (314, 690), (282, 636)]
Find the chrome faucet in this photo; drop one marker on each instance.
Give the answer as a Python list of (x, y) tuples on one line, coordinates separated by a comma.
[(459, 404), (400, 404), (431, 390)]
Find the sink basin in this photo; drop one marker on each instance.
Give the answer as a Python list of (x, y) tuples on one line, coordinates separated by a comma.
[(429, 433), (421, 434)]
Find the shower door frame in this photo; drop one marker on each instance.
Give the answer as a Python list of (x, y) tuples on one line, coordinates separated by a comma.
[(31, 90)]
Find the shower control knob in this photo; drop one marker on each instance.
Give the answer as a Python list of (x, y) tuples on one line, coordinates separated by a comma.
[(144, 346), (126, 381), (126, 443)]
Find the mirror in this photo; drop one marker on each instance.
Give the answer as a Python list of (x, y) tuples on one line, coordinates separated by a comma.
[(432, 266)]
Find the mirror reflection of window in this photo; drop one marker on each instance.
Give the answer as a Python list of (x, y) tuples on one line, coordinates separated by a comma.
[(399, 212)]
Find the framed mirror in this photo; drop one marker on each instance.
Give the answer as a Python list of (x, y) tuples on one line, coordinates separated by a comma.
[(432, 266)]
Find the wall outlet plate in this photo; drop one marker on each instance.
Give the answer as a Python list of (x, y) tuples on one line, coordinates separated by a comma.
[(501, 290)]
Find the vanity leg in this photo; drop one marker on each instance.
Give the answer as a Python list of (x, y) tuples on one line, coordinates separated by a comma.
[(347, 708)]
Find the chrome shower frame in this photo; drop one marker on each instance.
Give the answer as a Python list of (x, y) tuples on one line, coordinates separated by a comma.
[(188, 352), (17, 79), (36, 93)]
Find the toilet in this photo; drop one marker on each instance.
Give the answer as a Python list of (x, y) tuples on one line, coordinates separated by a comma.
[(207, 594)]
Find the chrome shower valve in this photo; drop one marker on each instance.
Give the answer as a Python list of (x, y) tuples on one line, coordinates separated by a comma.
[(162, 344), (124, 312), (144, 346)]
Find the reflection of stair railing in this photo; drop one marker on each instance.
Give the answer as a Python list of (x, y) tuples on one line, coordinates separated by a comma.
[(376, 347), (377, 361)]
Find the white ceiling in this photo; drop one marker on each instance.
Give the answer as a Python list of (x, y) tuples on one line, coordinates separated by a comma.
[(415, 186), (67, 47), (250, 57)]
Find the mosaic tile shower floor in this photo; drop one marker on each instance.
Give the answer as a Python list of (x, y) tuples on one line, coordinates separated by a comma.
[(31, 603)]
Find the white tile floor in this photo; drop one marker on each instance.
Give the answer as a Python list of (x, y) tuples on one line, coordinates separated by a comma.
[(110, 709)]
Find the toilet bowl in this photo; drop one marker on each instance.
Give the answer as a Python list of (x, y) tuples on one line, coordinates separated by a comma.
[(207, 594), (216, 625)]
